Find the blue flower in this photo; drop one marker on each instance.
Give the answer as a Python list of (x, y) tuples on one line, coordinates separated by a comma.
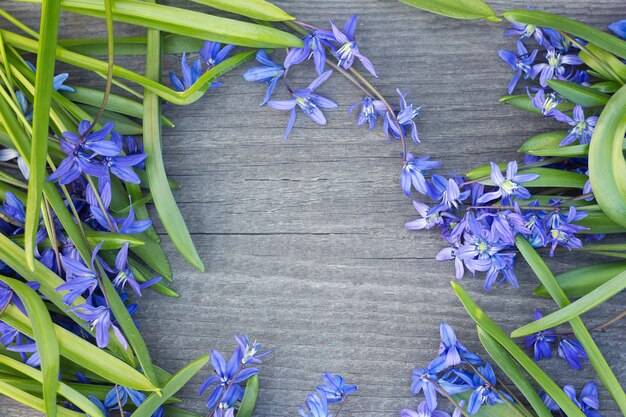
[(520, 62), (269, 72), (557, 40), (122, 165), (348, 50), (483, 392), (99, 319), (413, 173), (479, 246), (541, 341), (12, 214), (453, 351), (526, 32), (508, 187), (448, 191), (212, 53), (555, 67), (572, 351), (226, 378), (449, 253), (309, 102), (587, 401), (547, 103), (505, 224), (370, 110), (9, 154), (130, 226), (124, 274), (426, 380), (501, 263), (561, 229), (250, 351), (119, 395), (619, 28), (582, 128), (81, 150), (58, 80), (313, 45), (404, 119), (79, 278), (428, 220), (335, 389), (189, 74), (548, 401), (316, 406), (423, 411)]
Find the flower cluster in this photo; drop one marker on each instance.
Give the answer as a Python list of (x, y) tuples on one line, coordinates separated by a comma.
[(454, 371), (227, 377), (334, 391), (588, 400), (211, 54)]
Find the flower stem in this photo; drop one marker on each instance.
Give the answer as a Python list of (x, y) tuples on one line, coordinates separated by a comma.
[(448, 396)]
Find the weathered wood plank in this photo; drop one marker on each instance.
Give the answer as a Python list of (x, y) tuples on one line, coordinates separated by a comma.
[(303, 240)]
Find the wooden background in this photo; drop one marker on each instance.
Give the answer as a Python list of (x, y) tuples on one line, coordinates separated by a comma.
[(304, 240)]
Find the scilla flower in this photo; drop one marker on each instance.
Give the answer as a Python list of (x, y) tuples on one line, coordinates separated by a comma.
[(540, 341), (520, 63), (370, 110), (308, 101), (582, 128), (423, 411), (349, 50), (269, 72), (413, 173), (335, 389), (508, 187), (189, 74), (555, 67), (619, 28)]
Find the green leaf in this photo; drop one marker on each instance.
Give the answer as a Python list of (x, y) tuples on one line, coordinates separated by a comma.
[(490, 327), (131, 45), (85, 354), (115, 103), (458, 9), (249, 397), (64, 390), (581, 281), (604, 62), (606, 86), (109, 240), (49, 28), (602, 39), (596, 297), (171, 387), (579, 94), (45, 339), (505, 361), (547, 140), (187, 22), (255, 9), (153, 255), (164, 202), (599, 223), (549, 177), (506, 408), (187, 97), (34, 402), (598, 362), (606, 160), (123, 125), (523, 102)]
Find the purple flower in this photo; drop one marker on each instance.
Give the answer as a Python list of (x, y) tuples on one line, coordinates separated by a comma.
[(508, 187), (446, 190), (119, 395), (250, 351), (479, 246), (423, 411), (505, 224), (413, 173), (541, 341), (348, 50), (189, 74), (619, 28), (501, 263), (555, 67), (79, 278), (313, 45), (526, 32), (58, 80), (520, 62), (370, 110), (547, 103), (404, 119), (450, 253), (483, 392), (427, 379), (316, 406), (582, 128), (453, 351), (82, 148), (309, 102), (557, 40), (130, 226), (122, 165), (548, 401), (124, 274), (428, 221), (335, 389), (33, 360), (572, 351), (561, 229), (587, 401), (99, 319), (269, 72), (212, 53), (13, 214)]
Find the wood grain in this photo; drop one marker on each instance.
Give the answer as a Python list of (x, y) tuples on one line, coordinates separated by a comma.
[(304, 240)]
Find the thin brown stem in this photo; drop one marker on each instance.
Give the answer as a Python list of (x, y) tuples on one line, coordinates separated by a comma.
[(448, 396)]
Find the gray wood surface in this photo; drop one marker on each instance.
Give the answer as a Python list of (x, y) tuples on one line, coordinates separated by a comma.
[(304, 241)]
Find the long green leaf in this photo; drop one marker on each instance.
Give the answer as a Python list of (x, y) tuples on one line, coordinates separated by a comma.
[(582, 281), (64, 390), (523, 102), (458, 9), (548, 177), (34, 402), (579, 94), (131, 45), (173, 385), (83, 353), (602, 39), (606, 160), (596, 297), (505, 361), (489, 326), (109, 240), (249, 397), (164, 202), (598, 362), (45, 339), (599, 223), (187, 22), (49, 28), (255, 9)]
